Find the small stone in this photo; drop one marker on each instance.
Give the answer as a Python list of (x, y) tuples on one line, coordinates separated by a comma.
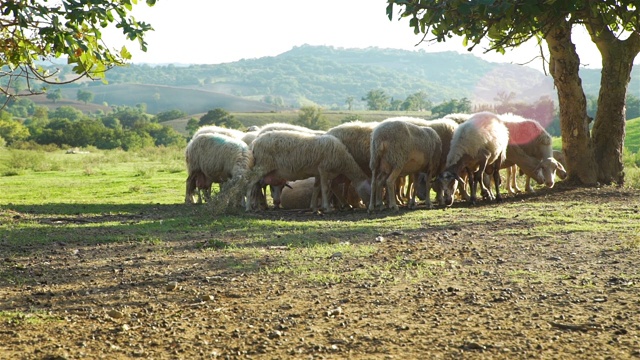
[(207, 298), (335, 255), (275, 334), (334, 312), (172, 286), (125, 327), (115, 314), (379, 239)]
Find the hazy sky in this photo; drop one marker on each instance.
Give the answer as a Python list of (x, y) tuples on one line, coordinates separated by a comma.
[(215, 31)]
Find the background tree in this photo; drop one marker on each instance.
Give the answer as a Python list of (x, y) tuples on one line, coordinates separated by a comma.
[(312, 118), (84, 96), (376, 100), (417, 102), (349, 101), (220, 117), (54, 95), (192, 126), (32, 30), (614, 26)]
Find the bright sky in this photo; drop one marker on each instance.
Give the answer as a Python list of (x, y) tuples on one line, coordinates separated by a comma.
[(216, 31)]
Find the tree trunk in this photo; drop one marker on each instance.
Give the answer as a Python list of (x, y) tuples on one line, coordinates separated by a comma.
[(574, 122), (609, 127)]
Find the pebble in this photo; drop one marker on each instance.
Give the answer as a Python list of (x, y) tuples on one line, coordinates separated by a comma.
[(334, 312), (207, 298), (172, 286), (115, 314)]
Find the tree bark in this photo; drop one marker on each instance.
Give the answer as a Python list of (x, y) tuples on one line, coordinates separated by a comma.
[(574, 122), (609, 127)]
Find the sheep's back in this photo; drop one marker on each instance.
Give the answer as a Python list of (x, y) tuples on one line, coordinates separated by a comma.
[(481, 132), (218, 156)]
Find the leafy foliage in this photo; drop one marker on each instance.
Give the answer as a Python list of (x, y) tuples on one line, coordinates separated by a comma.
[(312, 117), (220, 117), (33, 30)]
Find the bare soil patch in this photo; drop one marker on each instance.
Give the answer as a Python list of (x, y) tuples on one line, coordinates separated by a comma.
[(498, 289)]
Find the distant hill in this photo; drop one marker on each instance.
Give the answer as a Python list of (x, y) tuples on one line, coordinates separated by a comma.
[(327, 76), (162, 98)]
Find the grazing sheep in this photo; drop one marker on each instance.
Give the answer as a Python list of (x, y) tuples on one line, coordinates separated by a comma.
[(559, 157), (356, 136), (249, 136), (477, 143), (535, 141), (445, 129), (400, 148), (214, 158), (284, 126), (212, 129), (458, 118), (294, 155)]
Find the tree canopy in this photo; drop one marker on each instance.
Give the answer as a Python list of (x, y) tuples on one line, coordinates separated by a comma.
[(34, 31), (592, 155)]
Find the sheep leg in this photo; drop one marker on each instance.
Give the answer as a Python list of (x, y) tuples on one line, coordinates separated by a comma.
[(496, 178), (325, 189), (391, 189), (374, 191), (427, 181), (473, 185), (527, 186), (191, 187)]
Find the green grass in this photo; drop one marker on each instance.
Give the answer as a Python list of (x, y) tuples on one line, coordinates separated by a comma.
[(136, 200)]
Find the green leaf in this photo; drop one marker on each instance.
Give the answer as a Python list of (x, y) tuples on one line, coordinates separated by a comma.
[(125, 54)]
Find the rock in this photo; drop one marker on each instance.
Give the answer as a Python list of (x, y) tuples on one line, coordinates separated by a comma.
[(335, 311), (172, 286), (207, 298), (115, 314)]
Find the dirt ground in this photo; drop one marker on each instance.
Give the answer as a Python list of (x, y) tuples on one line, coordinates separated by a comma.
[(571, 296)]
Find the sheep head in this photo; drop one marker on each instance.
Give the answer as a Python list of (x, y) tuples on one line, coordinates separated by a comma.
[(548, 168), (448, 181)]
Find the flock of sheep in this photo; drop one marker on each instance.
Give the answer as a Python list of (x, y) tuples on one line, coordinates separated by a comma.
[(370, 164)]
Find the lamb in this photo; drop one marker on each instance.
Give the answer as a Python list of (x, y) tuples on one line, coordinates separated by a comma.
[(294, 155), (535, 141), (215, 158), (298, 194), (480, 141), (400, 148)]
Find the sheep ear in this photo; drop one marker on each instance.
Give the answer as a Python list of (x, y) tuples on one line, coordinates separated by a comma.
[(562, 173)]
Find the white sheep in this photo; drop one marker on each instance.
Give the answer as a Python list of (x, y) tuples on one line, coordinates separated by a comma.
[(294, 155), (480, 141), (284, 126), (535, 141), (458, 117), (298, 194), (559, 157), (214, 158), (400, 148), (249, 136), (212, 129), (444, 128)]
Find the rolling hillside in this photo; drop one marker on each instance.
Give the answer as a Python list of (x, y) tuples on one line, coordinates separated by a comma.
[(162, 98), (327, 77)]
